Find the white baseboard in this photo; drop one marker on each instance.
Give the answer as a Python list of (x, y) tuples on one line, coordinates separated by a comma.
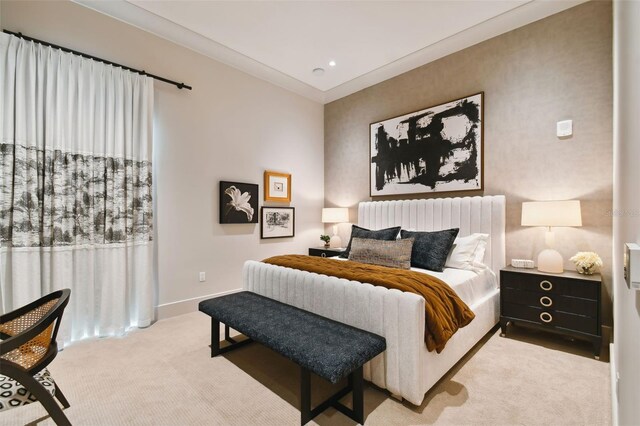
[(186, 306), (614, 385)]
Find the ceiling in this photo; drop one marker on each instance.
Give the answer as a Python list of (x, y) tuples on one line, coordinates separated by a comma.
[(370, 41)]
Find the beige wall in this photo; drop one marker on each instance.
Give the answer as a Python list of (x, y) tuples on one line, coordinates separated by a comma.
[(230, 127), (554, 69)]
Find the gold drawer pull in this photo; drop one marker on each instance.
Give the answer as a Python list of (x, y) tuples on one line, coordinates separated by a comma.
[(546, 285), (323, 254), (546, 301), (546, 317)]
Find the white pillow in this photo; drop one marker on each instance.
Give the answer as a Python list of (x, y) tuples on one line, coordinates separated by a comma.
[(468, 252)]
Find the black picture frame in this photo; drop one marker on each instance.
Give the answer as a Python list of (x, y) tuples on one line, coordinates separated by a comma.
[(233, 207), (401, 169), (273, 226)]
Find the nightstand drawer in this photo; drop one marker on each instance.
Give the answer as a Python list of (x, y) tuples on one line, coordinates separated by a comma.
[(324, 252), (551, 284), (542, 300), (551, 318), (566, 303)]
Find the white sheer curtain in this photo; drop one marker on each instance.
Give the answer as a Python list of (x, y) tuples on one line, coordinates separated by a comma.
[(75, 187)]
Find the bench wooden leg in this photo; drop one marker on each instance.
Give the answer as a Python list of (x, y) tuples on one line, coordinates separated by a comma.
[(227, 336), (355, 386), (215, 339), (305, 396), (357, 393)]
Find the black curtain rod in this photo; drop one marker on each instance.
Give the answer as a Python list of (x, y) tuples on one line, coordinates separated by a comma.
[(84, 55)]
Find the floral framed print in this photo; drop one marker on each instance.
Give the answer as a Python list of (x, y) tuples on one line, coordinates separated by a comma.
[(437, 149), (277, 187), (238, 202), (278, 222)]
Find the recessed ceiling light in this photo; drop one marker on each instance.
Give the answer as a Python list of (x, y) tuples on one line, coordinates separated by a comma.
[(318, 71), (332, 63)]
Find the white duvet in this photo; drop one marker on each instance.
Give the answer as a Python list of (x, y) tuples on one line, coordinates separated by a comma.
[(471, 286)]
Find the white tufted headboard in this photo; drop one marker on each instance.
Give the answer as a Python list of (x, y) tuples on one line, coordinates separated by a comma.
[(470, 214)]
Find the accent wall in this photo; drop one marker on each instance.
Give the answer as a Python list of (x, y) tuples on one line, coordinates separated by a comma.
[(558, 68)]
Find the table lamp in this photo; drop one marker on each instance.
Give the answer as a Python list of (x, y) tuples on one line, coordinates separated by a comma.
[(335, 215), (550, 214)]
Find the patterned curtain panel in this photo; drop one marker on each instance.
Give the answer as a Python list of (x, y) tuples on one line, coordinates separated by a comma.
[(75, 187)]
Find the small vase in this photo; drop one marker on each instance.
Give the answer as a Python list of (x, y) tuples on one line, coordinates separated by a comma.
[(327, 245), (586, 270)]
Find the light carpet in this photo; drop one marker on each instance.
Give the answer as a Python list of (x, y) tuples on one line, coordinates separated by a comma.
[(163, 375)]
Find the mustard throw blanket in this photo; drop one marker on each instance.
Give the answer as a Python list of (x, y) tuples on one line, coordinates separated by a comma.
[(445, 311)]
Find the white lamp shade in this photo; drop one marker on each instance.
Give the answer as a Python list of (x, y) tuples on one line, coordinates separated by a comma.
[(335, 215), (551, 213)]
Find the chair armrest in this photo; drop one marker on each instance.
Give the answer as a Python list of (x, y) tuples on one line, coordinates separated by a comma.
[(15, 342), (23, 336)]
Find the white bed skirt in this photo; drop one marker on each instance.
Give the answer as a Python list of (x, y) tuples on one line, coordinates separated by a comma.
[(406, 368)]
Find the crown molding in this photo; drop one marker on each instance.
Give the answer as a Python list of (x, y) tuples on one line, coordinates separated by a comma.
[(140, 18), (508, 21), (164, 28)]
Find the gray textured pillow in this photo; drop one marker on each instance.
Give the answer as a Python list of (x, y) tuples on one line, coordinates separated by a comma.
[(430, 249), (394, 254), (387, 234)]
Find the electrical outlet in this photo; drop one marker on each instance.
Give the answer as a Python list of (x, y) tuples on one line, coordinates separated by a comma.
[(203, 277)]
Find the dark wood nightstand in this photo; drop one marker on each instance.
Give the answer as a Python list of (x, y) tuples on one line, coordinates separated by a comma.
[(567, 303), (325, 252)]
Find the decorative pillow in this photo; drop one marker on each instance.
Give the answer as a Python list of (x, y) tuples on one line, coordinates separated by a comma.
[(430, 249), (394, 254), (468, 252), (387, 234)]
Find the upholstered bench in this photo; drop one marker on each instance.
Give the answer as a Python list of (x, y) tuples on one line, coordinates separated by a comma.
[(328, 348)]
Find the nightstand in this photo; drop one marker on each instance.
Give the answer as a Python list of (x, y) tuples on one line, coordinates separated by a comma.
[(325, 252), (566, 303)]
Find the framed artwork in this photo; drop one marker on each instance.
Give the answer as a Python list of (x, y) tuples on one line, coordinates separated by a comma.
[(238, 202), (278, 222), (437, 149), (277, 187)]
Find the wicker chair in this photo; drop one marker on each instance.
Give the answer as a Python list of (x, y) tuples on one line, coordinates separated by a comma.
[(28, 345)]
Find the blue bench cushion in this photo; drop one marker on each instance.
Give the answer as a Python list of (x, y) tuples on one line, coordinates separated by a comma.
[(328, 348)]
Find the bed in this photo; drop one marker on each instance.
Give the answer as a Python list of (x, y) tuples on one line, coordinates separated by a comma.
[(407, 369)]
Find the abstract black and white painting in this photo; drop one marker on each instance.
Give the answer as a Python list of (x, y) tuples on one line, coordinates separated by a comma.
[(277, 222), (238, 202), (437, 149)]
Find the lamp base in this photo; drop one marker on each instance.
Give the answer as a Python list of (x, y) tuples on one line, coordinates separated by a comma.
[(336, 242), (549, 260)]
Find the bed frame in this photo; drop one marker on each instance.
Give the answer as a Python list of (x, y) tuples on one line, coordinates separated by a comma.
[(406, 368)]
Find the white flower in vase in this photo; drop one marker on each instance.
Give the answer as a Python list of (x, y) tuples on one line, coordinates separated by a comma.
[(587, 262)]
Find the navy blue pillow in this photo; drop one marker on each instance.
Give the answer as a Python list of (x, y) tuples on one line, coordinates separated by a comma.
[(430, 249), (388, 234)]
